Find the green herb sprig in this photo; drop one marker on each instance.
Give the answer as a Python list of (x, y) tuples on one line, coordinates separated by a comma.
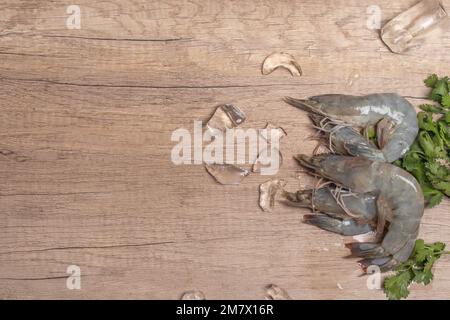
[(417, 269), (429, 157)]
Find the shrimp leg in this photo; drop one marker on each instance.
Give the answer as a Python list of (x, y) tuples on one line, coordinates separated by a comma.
[(385, 129), (375, 255)]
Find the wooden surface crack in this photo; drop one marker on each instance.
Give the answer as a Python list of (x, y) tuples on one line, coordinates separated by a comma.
[(24, 54), (38, 279), (232, 86), (118, 39), (148, 244), (50, 193)]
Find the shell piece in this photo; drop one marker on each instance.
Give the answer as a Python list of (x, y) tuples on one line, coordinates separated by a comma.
[(268, 192), (281, 60), (274, 292), (279, 133), (226, 116), (193, 295), (226, 173)]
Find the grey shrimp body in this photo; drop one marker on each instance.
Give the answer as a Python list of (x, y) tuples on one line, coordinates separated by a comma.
[(345, 212), (380, 188), (394, 117)]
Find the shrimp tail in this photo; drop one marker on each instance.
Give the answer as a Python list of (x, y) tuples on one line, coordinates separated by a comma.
[(374, 255), (346, 227), (365, 249), (384, 263)]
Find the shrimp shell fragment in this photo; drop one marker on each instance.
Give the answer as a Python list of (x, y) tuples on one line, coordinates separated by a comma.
[(274, 292), (281, 60), (268, 192), (193, 295)]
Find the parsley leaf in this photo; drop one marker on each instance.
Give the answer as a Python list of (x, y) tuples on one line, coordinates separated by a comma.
[(425, 121), (431, 80), (396, 286), (424, 277), (440, 89), (432, 196), (446, 101), (447, 117), (431, 108), (428, 158), (418, 268), (444, 186)]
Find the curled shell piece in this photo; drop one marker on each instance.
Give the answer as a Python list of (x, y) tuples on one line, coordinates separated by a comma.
[(274, 292), (226, 173), (281, 60), (193, 295), (268, 192), (226, 116)]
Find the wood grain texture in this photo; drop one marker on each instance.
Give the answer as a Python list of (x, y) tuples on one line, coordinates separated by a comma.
[(85, 125)]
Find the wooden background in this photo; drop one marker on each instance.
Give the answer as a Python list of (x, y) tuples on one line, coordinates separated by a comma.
[(85, 124)]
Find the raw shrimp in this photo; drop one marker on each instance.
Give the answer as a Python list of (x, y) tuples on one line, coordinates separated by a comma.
[(384, 197), (336, 114), (357, 211)]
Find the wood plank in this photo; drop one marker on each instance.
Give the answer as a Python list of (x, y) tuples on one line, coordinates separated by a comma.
[(85, 125)]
